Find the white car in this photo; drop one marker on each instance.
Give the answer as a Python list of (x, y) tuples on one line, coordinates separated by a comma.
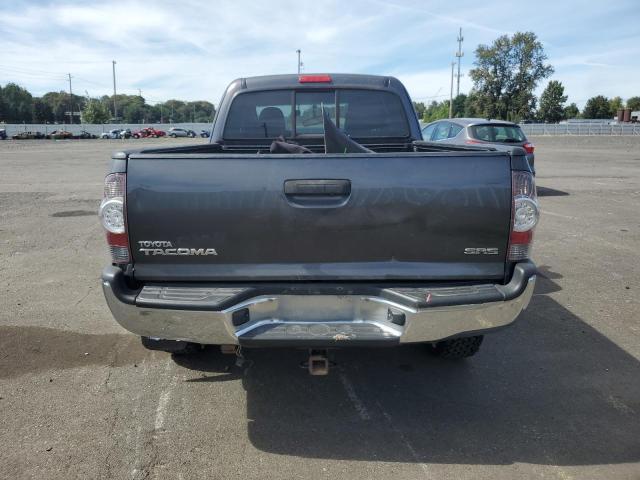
[(180, 132), (115, 133)]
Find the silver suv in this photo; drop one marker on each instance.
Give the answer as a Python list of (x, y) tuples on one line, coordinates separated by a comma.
[(180, 132), (469, 131)]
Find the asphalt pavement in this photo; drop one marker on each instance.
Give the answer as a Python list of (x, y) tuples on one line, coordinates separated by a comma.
[(555, 396)]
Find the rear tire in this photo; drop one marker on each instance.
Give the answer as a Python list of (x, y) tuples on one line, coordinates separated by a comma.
[(457, 348), (175, 347)]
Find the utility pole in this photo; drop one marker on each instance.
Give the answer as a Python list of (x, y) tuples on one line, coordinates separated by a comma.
[(70, 100), (298, 52), (453, 64), (139, 93), (115, 104), (459, 54)]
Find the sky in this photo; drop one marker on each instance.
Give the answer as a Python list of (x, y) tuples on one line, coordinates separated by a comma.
[(191, 50)]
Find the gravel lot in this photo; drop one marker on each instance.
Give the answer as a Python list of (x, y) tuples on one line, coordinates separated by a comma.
[(555, 396)]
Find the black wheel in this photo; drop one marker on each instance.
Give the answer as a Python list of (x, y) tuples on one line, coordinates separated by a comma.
[(175, 347), (458, 347)]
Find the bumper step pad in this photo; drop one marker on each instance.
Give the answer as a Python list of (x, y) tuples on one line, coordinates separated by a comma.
[(325, 333)]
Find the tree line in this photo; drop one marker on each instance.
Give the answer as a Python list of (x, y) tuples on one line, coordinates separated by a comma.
[(18, 105), (505, 75), (553, 107)]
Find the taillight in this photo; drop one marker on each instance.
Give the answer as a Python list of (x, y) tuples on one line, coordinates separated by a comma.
[(528, 147), (112, 214), (524, 215), (314, 79)]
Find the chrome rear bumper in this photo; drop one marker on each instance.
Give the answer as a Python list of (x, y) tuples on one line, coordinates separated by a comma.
[(310, 320)]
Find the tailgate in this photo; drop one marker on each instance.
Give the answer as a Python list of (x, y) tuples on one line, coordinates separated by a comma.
[(442, 216)]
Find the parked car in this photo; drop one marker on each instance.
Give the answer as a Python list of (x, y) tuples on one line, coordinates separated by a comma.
[(204, 133), (126, 133), (478, 131), (113, 133), (60, 135), (3, 134), (350, 234), (85, 135), (28, 136), (180, 132), (149, 132)]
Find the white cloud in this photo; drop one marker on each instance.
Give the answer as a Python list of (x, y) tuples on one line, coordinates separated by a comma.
[(193, 49)]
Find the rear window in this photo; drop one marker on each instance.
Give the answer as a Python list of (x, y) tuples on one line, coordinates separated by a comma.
[(371, 113), (498, 133), (309, 111), (359, 113), (260, 115)]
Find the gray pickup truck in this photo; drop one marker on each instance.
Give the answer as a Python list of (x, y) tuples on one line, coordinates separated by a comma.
[(267, 237)]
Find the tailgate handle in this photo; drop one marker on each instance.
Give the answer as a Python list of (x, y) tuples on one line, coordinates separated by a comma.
[(325, 188)]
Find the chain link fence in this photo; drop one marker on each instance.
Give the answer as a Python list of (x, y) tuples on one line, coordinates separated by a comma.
[(580, 129)]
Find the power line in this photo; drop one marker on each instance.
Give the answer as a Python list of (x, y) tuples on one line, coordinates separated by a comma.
[(30, 70), (32, 74), (93, 82)]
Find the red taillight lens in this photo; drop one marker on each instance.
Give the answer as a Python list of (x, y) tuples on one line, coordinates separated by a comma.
[(524, 215), (528, 147), (112, 215), (314, 79)]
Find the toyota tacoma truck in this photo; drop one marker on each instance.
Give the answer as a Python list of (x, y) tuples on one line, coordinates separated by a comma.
[(278, 232)]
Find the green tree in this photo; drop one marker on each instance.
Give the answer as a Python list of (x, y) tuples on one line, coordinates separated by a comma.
[(506, 73), (420, 108), (174, 111), (17, 104), (42, 112), (633, 103), (552, 102), (95, 112), (436, 111), (458, 105), (597, 107), (571, 111), (615, 104), (471, 108), (198, 111), (61, 102), (133, 110), (58, 102)]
